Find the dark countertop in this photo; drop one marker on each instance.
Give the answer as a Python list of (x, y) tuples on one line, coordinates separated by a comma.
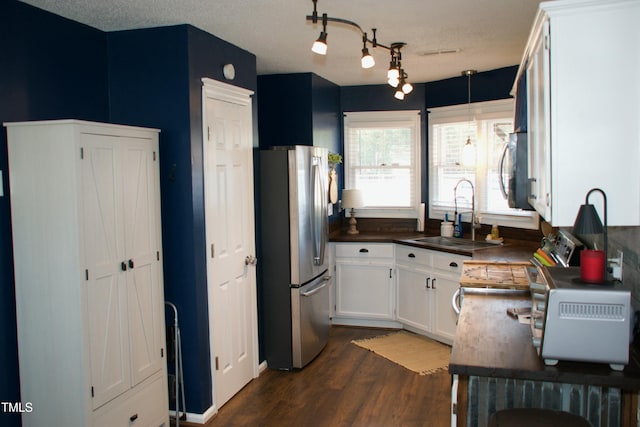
[(511, 250), (489, 343)]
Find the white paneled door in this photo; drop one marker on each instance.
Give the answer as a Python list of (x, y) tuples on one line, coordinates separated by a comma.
[(231, 273)]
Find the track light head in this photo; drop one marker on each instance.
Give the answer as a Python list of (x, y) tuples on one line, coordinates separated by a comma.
[(320, 45), (367, 60), (405, 86)]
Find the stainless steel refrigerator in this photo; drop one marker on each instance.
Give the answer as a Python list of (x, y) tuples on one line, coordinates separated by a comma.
[(294, 291)]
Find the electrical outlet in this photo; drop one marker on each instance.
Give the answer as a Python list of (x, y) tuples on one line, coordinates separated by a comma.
[(616, 265)]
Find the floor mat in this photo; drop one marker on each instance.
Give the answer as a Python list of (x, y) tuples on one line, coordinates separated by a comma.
[(414, 352)]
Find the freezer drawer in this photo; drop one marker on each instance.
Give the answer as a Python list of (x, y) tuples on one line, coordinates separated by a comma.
[(310, 320)]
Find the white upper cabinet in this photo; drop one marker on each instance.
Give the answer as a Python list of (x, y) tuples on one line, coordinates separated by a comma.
[(583, 103)]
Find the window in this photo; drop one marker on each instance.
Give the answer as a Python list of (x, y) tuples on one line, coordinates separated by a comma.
[(488, 125), (382, 159)]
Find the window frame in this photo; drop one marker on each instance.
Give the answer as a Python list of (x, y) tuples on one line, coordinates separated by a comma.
[(387, 119), (461, 113)]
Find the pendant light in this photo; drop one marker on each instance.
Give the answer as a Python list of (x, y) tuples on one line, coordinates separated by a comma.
[(468, 150)]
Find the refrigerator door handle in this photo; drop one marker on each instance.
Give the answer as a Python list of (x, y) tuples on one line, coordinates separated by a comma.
[(315, 289), (319, 218)]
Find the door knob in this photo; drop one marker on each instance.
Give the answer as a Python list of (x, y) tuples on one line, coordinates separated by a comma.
[(250, 260)]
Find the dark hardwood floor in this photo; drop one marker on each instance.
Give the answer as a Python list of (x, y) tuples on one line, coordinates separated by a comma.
[(344, 386)]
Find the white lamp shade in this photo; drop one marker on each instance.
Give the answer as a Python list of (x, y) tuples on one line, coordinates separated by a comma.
[(352, 199)]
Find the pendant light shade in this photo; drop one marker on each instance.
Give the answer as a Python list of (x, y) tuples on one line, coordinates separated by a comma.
[(468, 154)]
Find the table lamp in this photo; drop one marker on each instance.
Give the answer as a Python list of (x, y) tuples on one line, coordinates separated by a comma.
[(352, 199), (588, 222)]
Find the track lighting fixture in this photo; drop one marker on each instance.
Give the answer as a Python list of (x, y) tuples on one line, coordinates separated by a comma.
[(396, 76)]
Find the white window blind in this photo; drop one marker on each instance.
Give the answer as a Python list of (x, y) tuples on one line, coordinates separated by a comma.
[(488, 125), (382, 152)]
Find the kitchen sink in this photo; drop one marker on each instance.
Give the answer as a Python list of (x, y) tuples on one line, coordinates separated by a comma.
[(455, 243)]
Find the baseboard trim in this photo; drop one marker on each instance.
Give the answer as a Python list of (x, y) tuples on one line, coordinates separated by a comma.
[(198, 418)]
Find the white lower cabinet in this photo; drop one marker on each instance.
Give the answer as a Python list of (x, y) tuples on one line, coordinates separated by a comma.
[(85, 203), (415, 302), (393, 285), (426, 282), (364, 283)]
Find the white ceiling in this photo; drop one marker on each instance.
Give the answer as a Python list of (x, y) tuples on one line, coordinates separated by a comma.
[(488, 34)]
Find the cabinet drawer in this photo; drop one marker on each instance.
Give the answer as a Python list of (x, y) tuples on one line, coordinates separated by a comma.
[(364, 250), (449, 263), (409, 256), (143, 406)]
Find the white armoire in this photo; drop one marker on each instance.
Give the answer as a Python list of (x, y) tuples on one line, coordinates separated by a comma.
[(85, 206)]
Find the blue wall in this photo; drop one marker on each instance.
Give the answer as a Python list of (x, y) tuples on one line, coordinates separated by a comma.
[(155, 80), (50, 68)]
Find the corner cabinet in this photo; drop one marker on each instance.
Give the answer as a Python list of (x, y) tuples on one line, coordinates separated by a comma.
[(583, 108), (365, 284), (426, 282), (85, 205)]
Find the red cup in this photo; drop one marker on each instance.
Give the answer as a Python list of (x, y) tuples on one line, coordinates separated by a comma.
[(592, 266)]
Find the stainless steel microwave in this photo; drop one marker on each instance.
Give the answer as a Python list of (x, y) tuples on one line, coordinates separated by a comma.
[(514, 171)]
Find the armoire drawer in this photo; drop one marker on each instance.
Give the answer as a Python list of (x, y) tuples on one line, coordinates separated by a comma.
[(138, 407)]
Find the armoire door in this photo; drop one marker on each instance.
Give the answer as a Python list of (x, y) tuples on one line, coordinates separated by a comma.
[(229, 221), (141, 231), (105, 277)]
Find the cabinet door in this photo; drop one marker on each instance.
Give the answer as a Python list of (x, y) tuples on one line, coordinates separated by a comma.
[(106, 295), (445, 319), (141, 221), (414, 288), (539, 133), (364, 290)]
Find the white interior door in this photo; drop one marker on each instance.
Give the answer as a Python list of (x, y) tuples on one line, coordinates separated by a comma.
[(231, 275)]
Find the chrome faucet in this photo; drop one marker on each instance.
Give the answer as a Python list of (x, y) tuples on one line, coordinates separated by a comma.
[(474, 223)]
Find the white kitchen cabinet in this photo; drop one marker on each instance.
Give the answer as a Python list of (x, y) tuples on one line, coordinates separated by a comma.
[(85, 204), (583, 109), (364, 287), (426, 282), (538, 122)]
